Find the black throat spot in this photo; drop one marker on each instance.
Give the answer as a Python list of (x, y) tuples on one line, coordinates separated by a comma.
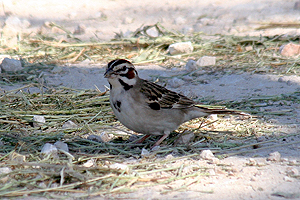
[(125, 85), (117, 106), (154, 106)]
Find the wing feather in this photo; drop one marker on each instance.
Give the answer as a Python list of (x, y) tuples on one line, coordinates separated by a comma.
[(157, 94)]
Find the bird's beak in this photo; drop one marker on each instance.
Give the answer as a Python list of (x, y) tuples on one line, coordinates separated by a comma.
[(108, 73)]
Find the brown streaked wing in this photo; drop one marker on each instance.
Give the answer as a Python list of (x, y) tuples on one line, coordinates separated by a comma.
[(164, 97)]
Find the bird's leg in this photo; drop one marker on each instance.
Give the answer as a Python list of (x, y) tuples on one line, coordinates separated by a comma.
[(167, 133), (142, 139)]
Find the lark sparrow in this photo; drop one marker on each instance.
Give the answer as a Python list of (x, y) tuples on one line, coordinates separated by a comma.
[(148, 108)]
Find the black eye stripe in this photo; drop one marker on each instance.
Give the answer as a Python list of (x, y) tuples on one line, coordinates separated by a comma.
[(122, 69)]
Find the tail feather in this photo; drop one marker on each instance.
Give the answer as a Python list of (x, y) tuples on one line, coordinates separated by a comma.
[(220, 110)]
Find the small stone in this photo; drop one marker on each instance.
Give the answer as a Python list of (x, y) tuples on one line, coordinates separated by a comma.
[(42, 185), (145, 153), (54, 185), (69, 125), (152, 32), (95, 138), (89, 163), (281, 80), (169, 157), (48, 149), (79, 30), (289, 82), (118, 166), (103, 137), (252, 162), (180, 20), (207, 155), (206, 61), (293, 162), (290, 50), (291, 171), (191, 65), (213, 117), (275, 156), (62, 146), (288, 179), (17, 23), (185, 139), (284, 159), (4, 170), (38, 120), (127, 20), (181, 47), (156, 148), (11, 65), (175, 82), (248, 48)]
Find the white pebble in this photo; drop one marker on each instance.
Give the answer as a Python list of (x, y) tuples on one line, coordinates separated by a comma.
[(207, 155), (89, 163), (213, 117), (62, 146), (118, 166), (206, 61), (48, 149), (181, 47), (38, 120), (69, 125), (152, 32), (275, 156), (5, 170), (288, 179), (145, 153)]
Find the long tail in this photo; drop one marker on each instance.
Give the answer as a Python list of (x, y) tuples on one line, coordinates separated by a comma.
[(220, 110)]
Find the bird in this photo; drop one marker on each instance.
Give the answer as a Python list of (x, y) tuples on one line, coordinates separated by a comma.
[(148, 108)]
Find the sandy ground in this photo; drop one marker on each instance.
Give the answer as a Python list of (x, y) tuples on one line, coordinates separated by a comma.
[(101, 19)]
